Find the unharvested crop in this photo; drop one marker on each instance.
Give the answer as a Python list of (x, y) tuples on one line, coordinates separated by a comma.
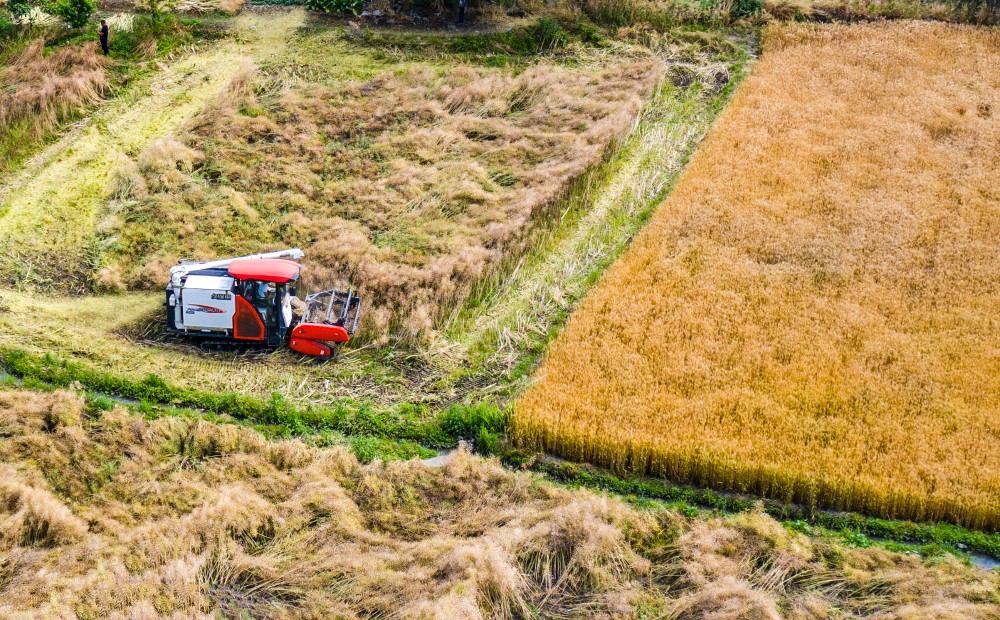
[(811, 315), (120, 517), (38, 91), (45, 89), (412, 185)]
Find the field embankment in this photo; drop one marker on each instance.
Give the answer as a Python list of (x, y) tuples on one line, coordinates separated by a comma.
[(811, 315), (106, 515)]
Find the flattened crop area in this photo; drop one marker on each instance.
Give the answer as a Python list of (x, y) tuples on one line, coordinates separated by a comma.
[(812, 314), (49, 211), (104, 514)]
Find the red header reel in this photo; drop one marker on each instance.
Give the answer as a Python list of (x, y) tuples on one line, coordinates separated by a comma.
[(330, 317)]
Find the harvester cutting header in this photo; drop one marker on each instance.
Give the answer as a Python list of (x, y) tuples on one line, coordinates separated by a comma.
[(249, 301)]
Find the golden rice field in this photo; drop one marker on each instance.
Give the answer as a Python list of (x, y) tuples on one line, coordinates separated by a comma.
[(814, 313)]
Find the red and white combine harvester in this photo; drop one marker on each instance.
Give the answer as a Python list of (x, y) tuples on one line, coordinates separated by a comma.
[(248, 301)]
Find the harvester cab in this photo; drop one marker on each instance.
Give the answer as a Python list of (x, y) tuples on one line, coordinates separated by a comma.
[(249, 301)]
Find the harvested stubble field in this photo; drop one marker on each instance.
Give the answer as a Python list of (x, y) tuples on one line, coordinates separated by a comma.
[(413, 184), (104, 514), (487, 349), (811, 315)]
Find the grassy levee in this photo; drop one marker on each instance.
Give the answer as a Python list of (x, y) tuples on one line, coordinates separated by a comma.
[(406, 432), (510, 317), (954, 538), (808, 316), (432, 429)]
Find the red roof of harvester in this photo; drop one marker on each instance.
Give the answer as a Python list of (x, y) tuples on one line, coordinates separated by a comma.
[(265, 269)]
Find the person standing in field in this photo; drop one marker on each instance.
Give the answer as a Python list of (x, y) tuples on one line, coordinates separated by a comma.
[(103, 32)]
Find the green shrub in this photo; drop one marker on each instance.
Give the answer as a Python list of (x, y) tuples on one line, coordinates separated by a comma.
[(17, 8), (856, 539), (590, 34), (7, 27), (100, 402), (462, 421), (334, 6), (745, 8), (276, 409), (124, 43), (75, 13), (549, 34), (733, 9), (688, 510), (487, 442), (365, 449)]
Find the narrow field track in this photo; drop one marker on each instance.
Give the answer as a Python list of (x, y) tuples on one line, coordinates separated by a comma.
[(49, 210)]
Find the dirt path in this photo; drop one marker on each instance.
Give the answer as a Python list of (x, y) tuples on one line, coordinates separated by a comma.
[(51, 207)]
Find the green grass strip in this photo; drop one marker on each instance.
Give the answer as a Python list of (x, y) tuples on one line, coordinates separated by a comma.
[(415, 423)]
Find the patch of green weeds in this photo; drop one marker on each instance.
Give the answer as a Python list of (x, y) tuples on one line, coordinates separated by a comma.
[(467, 421), (545, 35), (367, 449), (854, 538), (98, 403)]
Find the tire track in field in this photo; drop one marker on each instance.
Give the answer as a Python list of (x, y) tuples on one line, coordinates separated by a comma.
[(48, 210)]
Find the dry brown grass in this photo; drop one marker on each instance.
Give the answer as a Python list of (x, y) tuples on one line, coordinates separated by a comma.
[(413, 185), (178, 518), (811, 315), (868, 10), (46, 89), (229, 7)]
